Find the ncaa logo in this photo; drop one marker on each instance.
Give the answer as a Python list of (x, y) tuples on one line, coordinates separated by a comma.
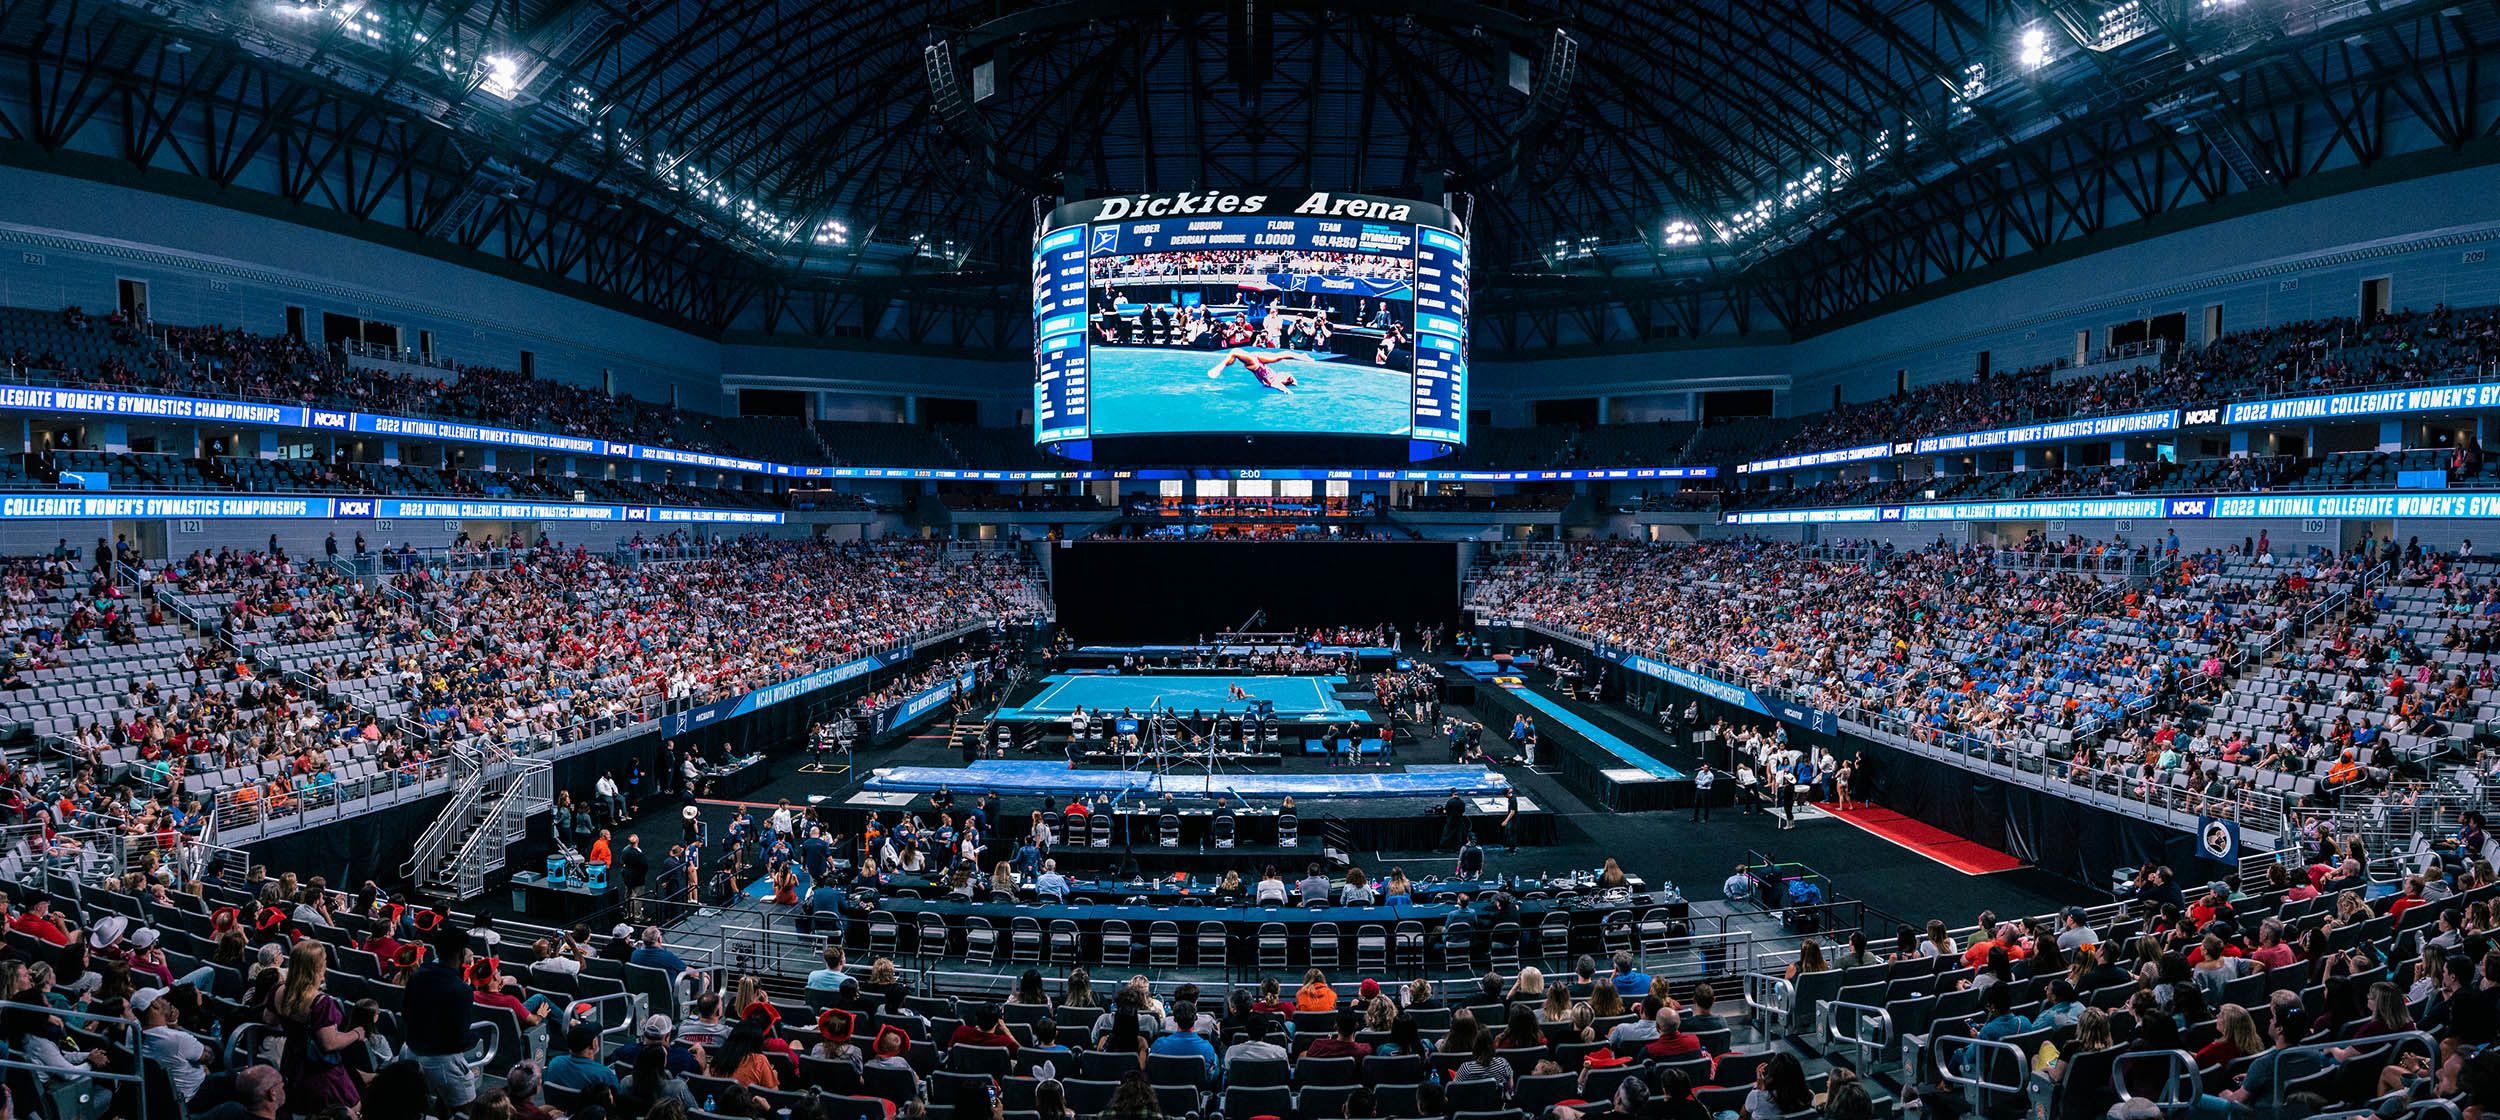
[(2204, 415), (637, 513), (2219, 839), (1889, 513), (325, 419), (2190, 507), (355, 507)]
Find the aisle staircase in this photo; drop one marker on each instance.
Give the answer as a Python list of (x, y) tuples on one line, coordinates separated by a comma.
[(488, 812)]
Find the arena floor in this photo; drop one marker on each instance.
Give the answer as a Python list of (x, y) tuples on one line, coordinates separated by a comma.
[(1305, 699), (1897, 883)]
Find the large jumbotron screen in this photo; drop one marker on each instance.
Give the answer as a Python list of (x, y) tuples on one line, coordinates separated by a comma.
[(1289, 313)]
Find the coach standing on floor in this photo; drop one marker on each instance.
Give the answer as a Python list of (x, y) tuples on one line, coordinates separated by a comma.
[(634, 868), (1703, 779), (1453, 820)]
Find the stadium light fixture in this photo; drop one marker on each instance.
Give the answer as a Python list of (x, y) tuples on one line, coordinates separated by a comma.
[(501, 75), (2035, 53)]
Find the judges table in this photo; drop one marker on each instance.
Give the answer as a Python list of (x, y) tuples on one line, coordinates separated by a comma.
[(1242, 927)]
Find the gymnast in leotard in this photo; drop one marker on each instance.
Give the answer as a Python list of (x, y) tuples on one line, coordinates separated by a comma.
[(1261, 367)]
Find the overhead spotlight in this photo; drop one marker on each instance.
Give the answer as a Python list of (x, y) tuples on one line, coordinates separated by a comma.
[(501, 76), (2035, 47)]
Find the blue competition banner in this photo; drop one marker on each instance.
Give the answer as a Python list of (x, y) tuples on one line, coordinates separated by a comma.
[(473, 509), (2368, 506), (648, 453), (2051, 509), (1819, 459), (1341, 285), (1812, 719), (2090, 427), (711, 516), (1828, 515), (927, 700), (454, 431), (2385, 402), (30, 398), (709, 714), (2380, 506)]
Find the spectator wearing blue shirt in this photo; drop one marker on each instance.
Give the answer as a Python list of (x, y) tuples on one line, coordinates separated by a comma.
[(1630, 983), (823, 907), (652, 954), (1182, 1040), (579, 1068), (830, 977), (1050, 883)]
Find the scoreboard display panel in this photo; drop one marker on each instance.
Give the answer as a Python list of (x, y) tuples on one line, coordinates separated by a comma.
[(1223, 313)]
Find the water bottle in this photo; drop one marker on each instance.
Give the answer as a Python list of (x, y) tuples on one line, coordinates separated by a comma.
[(710, 1105)]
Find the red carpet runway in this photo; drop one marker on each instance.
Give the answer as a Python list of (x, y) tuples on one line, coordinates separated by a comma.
[(1969, 857)]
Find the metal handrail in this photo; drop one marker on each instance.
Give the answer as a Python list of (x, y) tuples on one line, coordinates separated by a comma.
[(468, 863), (2181, 1086), (1945, 1072), (429, 843), (2430, 1047), (1872, 1042), (1771, 996), (129, 1042), (329, 801)]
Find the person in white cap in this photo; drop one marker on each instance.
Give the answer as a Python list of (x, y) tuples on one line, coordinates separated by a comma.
[(179, 1051)]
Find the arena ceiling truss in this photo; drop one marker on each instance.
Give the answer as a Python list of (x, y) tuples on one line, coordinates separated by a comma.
[(1635, 171)]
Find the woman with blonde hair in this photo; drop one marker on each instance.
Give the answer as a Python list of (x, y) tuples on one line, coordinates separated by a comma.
[(313, 1023), (2238, 1038), (1528, 986), (2092, 1032)]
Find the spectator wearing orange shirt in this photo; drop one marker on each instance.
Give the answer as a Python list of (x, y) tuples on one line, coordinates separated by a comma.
[(2009, 937), (1315, 994)]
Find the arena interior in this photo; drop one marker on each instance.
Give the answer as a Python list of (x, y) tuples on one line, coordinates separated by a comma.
[(1373, 560)]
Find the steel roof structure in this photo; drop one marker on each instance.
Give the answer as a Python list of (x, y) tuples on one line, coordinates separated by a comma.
[(866, 169)]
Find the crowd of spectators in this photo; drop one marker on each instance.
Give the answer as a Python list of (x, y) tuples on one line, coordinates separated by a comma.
[(2311, 356), (2037, 648), (525, 646)]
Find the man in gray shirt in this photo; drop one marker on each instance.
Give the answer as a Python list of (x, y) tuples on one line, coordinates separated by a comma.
[(1255, 1047), (1642, 1029), (1314, 886), (2076, 933)]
